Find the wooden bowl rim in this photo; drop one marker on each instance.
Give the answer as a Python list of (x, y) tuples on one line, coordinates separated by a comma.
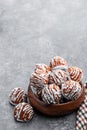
[(55, 105)]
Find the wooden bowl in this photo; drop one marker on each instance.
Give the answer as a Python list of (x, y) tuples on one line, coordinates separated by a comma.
[(55, 109)]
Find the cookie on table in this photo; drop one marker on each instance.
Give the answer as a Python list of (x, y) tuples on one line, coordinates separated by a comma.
[(23, 112), (17, 95)]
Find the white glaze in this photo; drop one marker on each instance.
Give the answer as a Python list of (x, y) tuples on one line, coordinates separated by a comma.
[(41, 68), (38, 80), (16, 95), (58, 76), (76, 73), (55, 61), (49, 94), (73, 90), (25, 109)]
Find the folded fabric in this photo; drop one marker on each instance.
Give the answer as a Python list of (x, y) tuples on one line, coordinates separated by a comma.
[(81, 121)]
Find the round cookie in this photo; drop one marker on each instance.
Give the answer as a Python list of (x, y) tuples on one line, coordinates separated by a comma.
[(38, 80), (23, 112), (71, 90), (41, 68), (51, 94), (61, 67), (76, 73), (58, 76), (16, 96), (58, 61), (36, 91)]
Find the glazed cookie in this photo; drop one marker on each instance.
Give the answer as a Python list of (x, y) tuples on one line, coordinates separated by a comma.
[(71, 90), (51, 94), (41, 68), (38, 80), (23, 112), (16, 96), (76, 73), (58, 76), (36, 91), (58, 61)]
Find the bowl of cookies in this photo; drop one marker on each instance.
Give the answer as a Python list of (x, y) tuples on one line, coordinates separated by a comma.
[(56, 89)]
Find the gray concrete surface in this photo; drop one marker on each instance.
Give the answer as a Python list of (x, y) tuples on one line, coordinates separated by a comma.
[(33, 31)]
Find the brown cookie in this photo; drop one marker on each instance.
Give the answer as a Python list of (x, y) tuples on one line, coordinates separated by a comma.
[(51, 94), (23, 112), (17, 95)]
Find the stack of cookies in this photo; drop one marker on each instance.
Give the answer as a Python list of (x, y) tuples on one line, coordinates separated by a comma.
[(23, 111), (56, 83)]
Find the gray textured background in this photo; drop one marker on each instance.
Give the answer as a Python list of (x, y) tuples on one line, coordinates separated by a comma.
[(33, 31)]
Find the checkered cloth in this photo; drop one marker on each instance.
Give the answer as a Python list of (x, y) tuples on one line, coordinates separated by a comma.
[(81, 122)]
